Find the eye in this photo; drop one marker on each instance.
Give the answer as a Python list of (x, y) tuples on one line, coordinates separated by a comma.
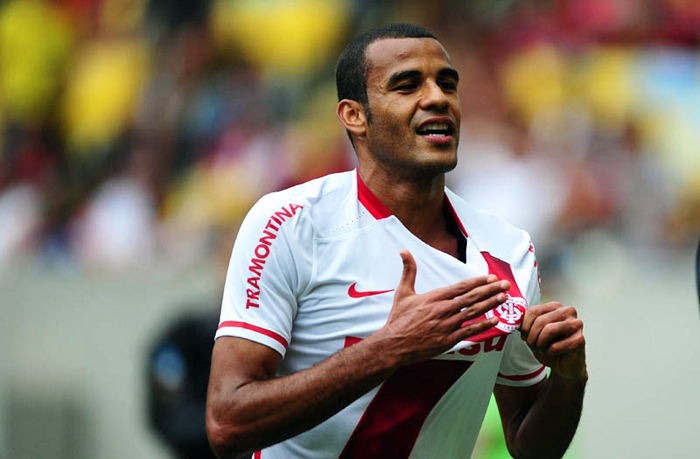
[(406, 87), (448, 85)]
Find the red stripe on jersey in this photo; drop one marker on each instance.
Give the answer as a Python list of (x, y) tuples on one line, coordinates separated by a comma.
[(370, 201), (503, 271), (257, 455), (350, 340), (271, 334), (390, 425), (455, 217), (522, 377)]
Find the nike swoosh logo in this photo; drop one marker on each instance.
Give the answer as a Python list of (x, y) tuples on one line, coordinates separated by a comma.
[(355, 294)]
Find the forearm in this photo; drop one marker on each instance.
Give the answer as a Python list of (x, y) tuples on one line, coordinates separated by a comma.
[(547, 428), (259, 413)]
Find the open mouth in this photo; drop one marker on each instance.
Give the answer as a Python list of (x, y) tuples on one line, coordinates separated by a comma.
[(437, 130)]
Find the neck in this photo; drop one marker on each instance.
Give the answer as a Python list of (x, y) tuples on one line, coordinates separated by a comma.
[(418, 204)]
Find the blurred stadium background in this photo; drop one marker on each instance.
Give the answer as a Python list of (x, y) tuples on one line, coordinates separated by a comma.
[(135, 134)]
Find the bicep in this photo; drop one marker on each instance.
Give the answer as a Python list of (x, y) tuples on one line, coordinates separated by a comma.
[(236, 362), (514, 403)]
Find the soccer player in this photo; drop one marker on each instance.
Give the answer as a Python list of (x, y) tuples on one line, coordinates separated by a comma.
[(370, 313)]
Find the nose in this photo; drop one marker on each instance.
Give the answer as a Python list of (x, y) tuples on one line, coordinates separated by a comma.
[(434, 98)]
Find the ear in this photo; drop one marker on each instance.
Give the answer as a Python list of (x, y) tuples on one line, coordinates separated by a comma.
[(352, 114)]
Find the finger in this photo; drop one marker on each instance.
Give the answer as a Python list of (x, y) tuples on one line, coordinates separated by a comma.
[(571, 344), (460, 288), (533, 312), (558, 331), (448, 308), (482, 293), (408, 276), (557, 315), (473, 328), (478, 309)]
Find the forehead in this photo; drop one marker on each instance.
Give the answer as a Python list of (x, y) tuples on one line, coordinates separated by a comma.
[(388, 56)]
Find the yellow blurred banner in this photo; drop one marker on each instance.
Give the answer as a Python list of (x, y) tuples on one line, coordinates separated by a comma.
[(103, 87), (288, 37), (35, 41)]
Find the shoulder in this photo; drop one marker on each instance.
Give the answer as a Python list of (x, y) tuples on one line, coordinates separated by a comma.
[(315, 205), (329, 204), (309, 198)]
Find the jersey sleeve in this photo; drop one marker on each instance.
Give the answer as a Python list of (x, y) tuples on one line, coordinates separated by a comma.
[(270, 265), (519, 367)]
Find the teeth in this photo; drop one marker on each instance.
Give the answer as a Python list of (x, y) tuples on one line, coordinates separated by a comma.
[(437, 129)]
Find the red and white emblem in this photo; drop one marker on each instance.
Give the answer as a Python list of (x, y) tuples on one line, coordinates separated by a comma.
[(510, 313)]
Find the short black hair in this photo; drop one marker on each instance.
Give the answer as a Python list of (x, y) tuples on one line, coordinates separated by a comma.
[(351, 69)]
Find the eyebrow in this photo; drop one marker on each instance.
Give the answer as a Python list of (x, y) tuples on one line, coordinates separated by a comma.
[(397, 77), (450, 73), (403, 75)]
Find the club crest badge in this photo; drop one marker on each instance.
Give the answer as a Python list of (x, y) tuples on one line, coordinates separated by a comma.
[(510, 313)]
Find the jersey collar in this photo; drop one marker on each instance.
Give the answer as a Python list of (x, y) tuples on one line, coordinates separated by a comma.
[(372, 203), (379, 211)]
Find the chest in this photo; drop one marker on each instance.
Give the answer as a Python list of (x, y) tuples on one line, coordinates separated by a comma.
[(353, 290)]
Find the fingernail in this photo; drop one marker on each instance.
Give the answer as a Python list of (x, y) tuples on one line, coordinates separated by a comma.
[(492, 278)]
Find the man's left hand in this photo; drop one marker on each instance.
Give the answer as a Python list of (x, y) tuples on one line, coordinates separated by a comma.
[(555, 334)]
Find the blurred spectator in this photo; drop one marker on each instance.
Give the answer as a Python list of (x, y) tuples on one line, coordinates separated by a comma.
[(20, 214)]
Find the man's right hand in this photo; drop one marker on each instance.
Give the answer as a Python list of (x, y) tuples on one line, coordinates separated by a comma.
[(421, 326)]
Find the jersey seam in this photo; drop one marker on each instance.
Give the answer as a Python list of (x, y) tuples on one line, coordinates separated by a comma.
[(312, 277), (351, 233)]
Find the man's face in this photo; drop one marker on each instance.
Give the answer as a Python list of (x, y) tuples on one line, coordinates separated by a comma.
[(414, 105)]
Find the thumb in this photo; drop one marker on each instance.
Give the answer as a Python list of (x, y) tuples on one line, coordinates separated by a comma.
[(408, 277)]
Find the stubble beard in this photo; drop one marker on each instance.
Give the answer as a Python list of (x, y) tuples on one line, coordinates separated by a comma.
[(409, 160)]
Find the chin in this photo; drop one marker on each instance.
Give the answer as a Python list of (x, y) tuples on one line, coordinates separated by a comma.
[(444, 162), (434, 168)]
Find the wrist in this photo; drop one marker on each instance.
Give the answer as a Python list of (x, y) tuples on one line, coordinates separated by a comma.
[(376, 355), (574, 378)]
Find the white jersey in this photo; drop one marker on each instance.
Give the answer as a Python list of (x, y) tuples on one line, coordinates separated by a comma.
[(313, 271)]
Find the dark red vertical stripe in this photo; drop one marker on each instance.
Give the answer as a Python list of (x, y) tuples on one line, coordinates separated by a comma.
[(503, 271), (390, 425)]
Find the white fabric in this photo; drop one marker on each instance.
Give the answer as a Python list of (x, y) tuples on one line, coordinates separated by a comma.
[(304, 247)]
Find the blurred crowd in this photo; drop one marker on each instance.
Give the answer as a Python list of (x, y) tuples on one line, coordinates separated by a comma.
[(136, 134)]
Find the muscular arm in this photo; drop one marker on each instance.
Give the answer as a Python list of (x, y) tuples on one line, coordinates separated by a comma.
[(540, 421), (249, 408)]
